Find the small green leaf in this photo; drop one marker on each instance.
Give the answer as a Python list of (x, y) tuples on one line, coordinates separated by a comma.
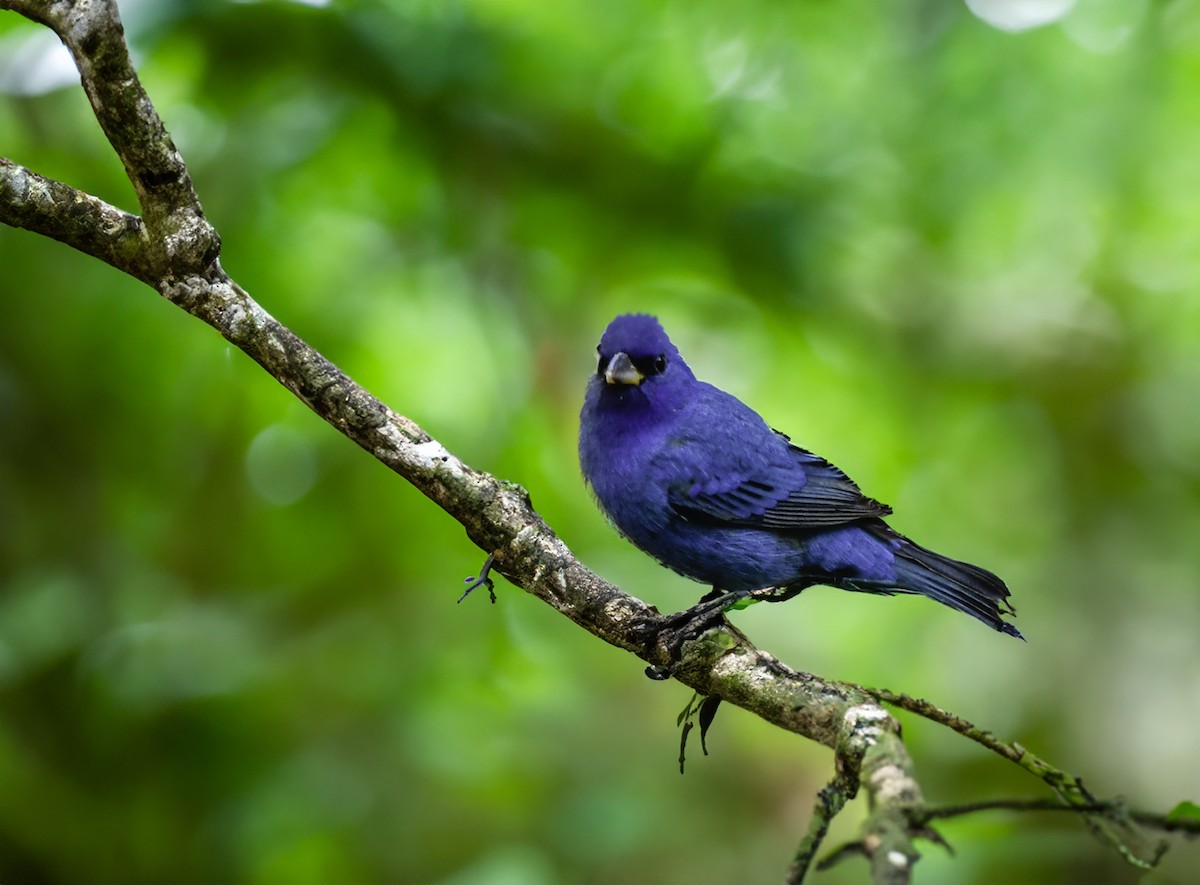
[(1184, 811), (708, 709)]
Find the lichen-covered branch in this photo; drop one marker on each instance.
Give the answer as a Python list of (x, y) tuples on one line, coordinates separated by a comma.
[(178, 239), (78, 219), (92, 31)]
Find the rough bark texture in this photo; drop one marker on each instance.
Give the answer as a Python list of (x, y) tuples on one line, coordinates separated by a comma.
[(171, 247)]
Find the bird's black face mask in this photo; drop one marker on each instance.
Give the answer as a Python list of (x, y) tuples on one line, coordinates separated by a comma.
[(621, 368)]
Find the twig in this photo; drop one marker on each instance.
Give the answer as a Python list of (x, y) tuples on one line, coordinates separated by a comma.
[(1108, 821), (1186, 826), (831, 800), (73, 217)]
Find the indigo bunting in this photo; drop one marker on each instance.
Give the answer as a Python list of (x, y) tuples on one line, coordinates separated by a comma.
[(698, 480)]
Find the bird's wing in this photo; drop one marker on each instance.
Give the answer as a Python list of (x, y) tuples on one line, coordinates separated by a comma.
[(796, 491)]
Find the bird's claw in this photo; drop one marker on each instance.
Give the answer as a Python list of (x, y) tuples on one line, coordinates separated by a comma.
[(483, 579), (689, 624)]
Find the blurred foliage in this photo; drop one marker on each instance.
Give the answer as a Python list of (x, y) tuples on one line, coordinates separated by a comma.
[(960, 261)]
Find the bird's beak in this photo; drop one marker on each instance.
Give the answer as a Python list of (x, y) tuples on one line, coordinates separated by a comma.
[(621, 370)]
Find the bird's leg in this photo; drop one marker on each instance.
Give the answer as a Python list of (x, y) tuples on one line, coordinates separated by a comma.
[(711, 608), (714, 593)]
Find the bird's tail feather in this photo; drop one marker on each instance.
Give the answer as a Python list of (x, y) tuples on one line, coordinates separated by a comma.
[(960, 585)]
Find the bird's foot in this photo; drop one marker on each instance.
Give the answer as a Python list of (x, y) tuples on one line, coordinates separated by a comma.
[(687, 625)]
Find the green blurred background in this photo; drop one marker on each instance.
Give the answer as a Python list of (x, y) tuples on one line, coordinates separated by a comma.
[(957, 257)]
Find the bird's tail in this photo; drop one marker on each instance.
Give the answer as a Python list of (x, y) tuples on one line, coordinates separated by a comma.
[(960, 585)]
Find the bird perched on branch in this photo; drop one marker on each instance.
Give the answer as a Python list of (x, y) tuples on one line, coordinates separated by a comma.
[(698, 480)]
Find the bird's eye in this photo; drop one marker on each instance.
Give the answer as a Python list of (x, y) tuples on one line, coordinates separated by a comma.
[(600, 361), (651, 365)]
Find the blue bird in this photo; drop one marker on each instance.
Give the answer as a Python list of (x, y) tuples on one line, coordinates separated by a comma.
[(698, 480)]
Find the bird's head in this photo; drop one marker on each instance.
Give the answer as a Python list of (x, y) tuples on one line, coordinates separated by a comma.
[(635, 353)]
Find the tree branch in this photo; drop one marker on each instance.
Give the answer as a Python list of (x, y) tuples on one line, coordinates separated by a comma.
[(72, 217), (179, 239), (172, 248)]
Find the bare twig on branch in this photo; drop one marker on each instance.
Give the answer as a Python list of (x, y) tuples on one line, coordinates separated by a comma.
[(1110, 821), (1188, 826), (171, 247)]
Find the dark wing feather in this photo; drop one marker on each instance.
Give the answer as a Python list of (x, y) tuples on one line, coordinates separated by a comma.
[(806, 492)]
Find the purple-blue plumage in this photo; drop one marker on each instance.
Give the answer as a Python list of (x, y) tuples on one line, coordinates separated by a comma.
[(698, 480)]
